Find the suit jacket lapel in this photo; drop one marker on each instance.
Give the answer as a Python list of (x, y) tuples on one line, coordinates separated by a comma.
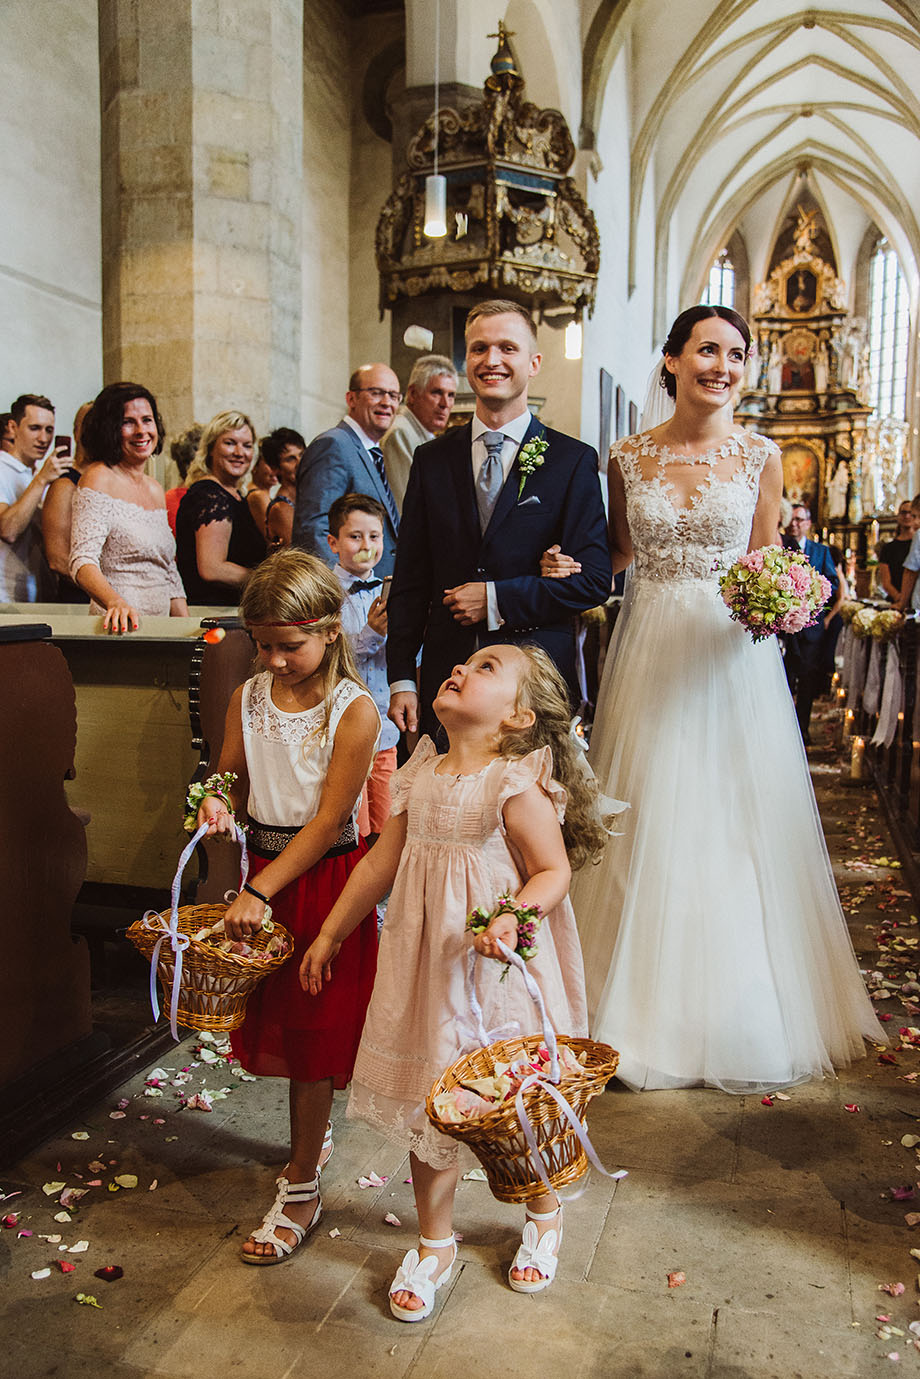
[(509, 494), (375, 486), (461, 469)]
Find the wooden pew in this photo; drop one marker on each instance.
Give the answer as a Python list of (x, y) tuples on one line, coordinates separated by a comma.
[(45, 972)]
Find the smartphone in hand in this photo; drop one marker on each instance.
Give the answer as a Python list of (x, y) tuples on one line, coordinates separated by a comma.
[(62, 446), (385, 591)]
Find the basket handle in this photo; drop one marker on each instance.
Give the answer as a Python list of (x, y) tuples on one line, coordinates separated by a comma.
[(178, 941), (541, 1079), (487, 1037)]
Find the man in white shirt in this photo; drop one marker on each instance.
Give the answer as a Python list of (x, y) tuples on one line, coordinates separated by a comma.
[(24, 576), (484, 501), (348, 459), (430, 395)]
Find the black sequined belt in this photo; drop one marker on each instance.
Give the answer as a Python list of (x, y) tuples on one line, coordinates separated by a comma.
[(267, 840)]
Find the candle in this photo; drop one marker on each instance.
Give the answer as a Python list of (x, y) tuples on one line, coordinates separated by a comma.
[(856, 758), (835, 678), (848, 724)]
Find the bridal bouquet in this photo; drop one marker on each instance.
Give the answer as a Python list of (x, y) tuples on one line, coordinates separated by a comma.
[(773, 590)]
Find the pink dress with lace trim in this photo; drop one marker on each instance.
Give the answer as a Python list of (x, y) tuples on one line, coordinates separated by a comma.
[(457, 856)]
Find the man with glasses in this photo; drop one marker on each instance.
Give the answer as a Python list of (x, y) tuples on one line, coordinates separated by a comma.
[(348, 459)]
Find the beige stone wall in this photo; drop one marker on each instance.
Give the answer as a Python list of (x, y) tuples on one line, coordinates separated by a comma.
[(50, 280)]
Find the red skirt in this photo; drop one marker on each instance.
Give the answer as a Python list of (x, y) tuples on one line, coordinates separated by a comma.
[(287, 1033)]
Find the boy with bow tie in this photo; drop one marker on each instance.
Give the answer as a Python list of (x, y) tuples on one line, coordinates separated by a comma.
[(356, 524)]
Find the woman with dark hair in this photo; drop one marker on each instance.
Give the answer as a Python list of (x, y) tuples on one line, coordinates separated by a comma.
[(282, 451), (122, 552), (716, 951), (218, 543)]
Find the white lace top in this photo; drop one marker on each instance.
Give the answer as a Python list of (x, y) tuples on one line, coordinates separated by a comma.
[(132, 546), (687, 543), (288, 754)]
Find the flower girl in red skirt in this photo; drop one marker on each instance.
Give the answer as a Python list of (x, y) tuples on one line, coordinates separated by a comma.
[(300, 739)]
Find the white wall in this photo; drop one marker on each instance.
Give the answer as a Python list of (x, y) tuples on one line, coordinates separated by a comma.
[(50, 270)]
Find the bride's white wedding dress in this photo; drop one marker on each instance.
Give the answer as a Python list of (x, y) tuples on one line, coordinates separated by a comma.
[(716, 951)]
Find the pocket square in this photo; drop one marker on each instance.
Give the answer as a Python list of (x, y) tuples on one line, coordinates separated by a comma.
[(525, 501)]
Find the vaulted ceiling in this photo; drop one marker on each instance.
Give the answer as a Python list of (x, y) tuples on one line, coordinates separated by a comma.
[(736, 104)]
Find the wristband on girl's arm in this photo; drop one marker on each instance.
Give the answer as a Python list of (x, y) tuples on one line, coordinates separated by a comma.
[(218, 786), (528, 919)]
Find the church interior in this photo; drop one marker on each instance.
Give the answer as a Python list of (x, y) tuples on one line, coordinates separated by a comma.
[(237, 203)]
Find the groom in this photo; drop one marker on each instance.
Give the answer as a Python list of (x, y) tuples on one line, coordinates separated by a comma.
[(482, 503)]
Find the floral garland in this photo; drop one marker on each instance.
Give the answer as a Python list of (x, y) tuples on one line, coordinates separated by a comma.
[(216, 785), (529, 919), (530, 458)]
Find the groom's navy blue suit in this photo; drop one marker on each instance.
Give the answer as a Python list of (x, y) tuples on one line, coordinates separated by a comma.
[(440, 546), (808, 653)]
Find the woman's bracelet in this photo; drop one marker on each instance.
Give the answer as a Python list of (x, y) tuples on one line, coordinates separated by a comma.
[(216, 785), (267, 924), (528, 918), (258, 894)]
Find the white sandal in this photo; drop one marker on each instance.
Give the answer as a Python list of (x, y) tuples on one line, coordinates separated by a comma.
[(540, 1252), (328, 1149), (266, 1234), (414, 1276)]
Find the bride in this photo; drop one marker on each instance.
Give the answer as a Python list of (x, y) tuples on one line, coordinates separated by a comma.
[(716, 951)]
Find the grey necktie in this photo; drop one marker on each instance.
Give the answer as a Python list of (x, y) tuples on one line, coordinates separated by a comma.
[(490, 478)]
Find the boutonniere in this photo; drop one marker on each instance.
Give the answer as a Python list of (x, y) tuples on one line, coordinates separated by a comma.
[(530, 458)]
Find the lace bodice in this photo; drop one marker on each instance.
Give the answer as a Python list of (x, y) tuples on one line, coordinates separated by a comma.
[(687, 543)]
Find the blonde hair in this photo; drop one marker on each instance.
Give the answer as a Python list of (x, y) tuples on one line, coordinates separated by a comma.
[(542, 690), (224, 421), (294, 587)]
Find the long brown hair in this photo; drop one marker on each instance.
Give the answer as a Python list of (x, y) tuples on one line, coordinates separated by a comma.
[(294, 587), (542, 690)]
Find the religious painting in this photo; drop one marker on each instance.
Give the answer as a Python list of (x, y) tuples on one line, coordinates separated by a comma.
[(801, 474), (801, 290)]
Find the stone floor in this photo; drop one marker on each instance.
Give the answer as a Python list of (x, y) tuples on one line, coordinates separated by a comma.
[(781, 1217)]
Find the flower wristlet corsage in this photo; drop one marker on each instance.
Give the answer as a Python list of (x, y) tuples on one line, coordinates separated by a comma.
[(529, 918), (218, 786), (530, 459)]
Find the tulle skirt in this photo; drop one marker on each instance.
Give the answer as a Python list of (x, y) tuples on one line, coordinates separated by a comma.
[(716, 951)]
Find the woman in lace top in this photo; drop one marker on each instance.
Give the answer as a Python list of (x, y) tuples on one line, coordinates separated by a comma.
[(217, 540), (122, 552), (716, 951)]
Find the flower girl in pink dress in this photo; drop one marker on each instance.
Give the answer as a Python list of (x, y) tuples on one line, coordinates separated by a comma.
[(483, 820)]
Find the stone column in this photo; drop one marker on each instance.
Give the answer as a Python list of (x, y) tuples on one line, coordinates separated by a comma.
[(202, 157)]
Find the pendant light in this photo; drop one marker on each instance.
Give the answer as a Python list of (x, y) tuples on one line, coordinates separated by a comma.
[(436, 183)]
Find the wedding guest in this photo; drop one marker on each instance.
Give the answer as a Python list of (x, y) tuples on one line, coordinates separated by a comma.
[(282, 451), (430, 395), (892, 555), (26, 471), (182, 451), (122, 552), (805, 655), (57, 515), (218, 543)]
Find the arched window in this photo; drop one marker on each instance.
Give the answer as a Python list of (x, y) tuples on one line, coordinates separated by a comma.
[(889, 332), (720, 290)]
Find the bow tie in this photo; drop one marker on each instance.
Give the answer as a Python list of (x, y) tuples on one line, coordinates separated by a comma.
[(364, 586)]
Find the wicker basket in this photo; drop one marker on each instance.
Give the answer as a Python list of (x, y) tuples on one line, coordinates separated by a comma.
[(213, 986), (497, 1139)]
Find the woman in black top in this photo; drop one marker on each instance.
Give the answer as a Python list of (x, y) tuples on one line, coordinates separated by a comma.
[(217, 542), (892, 555)]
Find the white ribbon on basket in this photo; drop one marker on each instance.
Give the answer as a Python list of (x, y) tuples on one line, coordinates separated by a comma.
[(873, 679), (178, 942), (541, 1079), (892, 700)]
